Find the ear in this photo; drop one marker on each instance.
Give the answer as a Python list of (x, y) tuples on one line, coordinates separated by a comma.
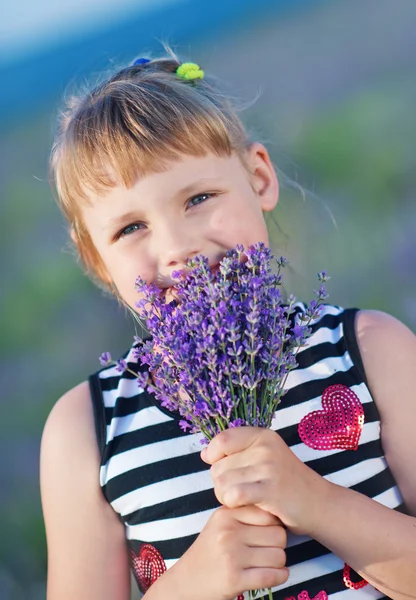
[(73, 236), (263, 176)]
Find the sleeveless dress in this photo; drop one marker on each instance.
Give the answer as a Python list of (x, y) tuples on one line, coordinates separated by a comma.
[(152, 474)]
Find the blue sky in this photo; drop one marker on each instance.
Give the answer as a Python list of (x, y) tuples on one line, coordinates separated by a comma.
[(27, 26)]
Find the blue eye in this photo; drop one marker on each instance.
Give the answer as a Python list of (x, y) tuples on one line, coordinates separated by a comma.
[(133, 227), (197, 200), (129, 230)]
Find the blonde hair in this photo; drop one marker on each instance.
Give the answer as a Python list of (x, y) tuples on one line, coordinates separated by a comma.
[(128, 126)]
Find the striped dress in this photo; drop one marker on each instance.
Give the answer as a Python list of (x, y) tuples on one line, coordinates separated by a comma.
[(152, 474)]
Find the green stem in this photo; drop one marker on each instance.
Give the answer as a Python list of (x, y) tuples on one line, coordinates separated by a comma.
[(282, 384), (295, 353), (266, 387), (254, 392)]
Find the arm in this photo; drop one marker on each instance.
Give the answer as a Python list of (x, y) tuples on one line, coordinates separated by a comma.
[(255, 466), (376, 541), (87, 554)]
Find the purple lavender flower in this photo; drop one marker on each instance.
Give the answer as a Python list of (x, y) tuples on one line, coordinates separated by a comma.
[(121, 365), (143, 380), (105, 359), (221, 354), (236, 423)]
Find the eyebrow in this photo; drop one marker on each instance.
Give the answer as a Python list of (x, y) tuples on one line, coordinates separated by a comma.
[(185, 191)]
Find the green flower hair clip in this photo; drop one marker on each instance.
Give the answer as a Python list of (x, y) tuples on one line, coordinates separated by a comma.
[(190, 71)]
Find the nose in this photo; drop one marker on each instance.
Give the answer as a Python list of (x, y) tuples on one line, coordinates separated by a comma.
[(176, 245)]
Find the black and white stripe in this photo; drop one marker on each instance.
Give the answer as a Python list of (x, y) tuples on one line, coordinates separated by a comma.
[(152, 474)]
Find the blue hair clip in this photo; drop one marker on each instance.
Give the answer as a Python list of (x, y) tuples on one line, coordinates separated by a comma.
[(141, 61)]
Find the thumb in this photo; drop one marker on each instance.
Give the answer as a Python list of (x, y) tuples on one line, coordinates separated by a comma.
[(204, 454)]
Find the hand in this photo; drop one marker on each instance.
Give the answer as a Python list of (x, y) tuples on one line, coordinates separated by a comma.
[(239, 549), (252, 465)]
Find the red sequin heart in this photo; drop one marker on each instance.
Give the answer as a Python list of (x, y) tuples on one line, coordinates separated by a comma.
[(305, 596), (148, 565), (353, 585), (338, 425)]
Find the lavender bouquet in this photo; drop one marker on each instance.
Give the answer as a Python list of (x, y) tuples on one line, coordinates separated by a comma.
[(220, 354)]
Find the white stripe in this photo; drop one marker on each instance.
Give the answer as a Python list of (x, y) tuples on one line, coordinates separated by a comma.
[(309, 569), (151, 453), (170, 562), (390, 498), (321, 369), (370, 432), (366, 592), (162, 491), (109, 372), (127, 388), (329, 309), (143, 418), (322, 335), (357, 473), (168, 529)]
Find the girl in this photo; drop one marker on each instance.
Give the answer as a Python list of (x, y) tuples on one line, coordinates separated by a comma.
[(152, 167)]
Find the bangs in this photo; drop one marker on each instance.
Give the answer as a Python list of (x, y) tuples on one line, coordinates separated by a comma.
[(131, 129)]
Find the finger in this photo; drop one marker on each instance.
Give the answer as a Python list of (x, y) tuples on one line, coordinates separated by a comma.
[(241, 494), (229, 471), (229, 442), (271, 536), (253, 515), (273, 558)]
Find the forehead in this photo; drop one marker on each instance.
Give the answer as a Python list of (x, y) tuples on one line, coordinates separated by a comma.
[(179, 176)]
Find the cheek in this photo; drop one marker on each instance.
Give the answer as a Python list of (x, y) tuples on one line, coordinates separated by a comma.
[(231, 218), (124, 272), (242, 223)]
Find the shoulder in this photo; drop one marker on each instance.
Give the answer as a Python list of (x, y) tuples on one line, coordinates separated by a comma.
[(71, 418), (388, 351), (69, 439)]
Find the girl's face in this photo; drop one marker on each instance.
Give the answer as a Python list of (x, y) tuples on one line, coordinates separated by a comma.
[(198, 205)]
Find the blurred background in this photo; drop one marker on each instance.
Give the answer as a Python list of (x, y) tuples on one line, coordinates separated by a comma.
[(330, 88)]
